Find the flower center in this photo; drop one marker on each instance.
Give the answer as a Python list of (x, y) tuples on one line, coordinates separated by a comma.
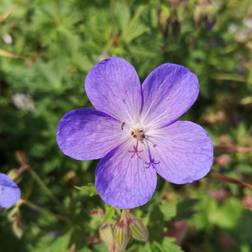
[(138, 134), (142, 144)]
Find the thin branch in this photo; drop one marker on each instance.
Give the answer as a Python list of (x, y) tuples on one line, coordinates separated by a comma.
[(232, 149), (43, 210), (231, 180), (22, 158)]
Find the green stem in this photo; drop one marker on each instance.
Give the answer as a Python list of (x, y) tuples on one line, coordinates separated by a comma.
[(44, 187), (45, 211), (125, 213)]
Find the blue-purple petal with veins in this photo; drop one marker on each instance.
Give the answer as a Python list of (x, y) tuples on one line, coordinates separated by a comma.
[(9, 191)]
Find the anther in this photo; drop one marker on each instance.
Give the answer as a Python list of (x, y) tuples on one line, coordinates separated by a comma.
[(122, 125)]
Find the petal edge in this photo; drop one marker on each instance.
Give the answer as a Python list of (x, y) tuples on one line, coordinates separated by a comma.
[(185, 152), (86, 134), (168, 92), (113, 87)]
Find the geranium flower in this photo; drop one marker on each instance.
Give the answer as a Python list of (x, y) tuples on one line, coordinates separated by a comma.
[(134, 128), (9, 191)]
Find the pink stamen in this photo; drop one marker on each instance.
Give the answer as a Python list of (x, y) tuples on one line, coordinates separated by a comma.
[(135, 151)]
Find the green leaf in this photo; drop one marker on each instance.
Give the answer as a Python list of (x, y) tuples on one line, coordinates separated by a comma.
[(134, 29), (88, 189), (227, 214), (60, 244), (109, 213), (168, 245), (169, 210)]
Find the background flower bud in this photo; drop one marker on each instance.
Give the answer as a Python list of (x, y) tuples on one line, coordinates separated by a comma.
[(121, 233), (106, 235), (137, 229)]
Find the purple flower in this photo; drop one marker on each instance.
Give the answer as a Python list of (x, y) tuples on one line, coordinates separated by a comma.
[(134, 128), (9, 191)]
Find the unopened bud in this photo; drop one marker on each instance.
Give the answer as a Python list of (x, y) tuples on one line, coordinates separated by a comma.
[(121, 234), (13, 174), (15, 220), (137, 229), (106, 234)]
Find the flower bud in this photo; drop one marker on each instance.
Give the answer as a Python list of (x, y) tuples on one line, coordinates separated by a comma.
[(106, 235), (121, 234), (15, 219), (137, 229)]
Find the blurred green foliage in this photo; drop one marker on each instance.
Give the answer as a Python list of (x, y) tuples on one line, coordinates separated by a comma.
[(47, 47)]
